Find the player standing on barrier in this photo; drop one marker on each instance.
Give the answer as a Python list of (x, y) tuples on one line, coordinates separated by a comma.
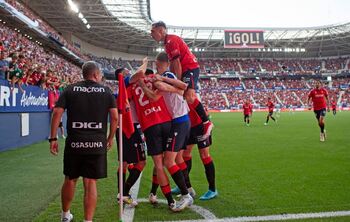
[(185, 65), (88, 104)]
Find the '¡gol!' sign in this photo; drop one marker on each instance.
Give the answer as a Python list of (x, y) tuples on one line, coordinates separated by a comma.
[(244, 39), (34, 99)]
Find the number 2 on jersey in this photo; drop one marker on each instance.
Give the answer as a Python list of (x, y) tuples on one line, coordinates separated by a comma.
[(140, 92)]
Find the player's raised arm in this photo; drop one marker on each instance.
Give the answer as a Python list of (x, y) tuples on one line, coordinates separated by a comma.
[(165, 87), (140, 73), (151, 94), (174, 82)]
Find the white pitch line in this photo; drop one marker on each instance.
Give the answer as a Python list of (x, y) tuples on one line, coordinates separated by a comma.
[(206, 214), (129, 212), (128, 215), (277, 217)]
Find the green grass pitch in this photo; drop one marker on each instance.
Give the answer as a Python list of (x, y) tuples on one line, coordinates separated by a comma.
[(260, 170)]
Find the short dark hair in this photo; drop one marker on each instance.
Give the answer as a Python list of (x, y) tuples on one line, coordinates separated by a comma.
[(149, 71), (89, 68), (162, 57), (159, 24), (118, 71)]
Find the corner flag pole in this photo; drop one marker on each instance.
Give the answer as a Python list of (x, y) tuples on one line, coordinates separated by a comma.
[(120, 166)]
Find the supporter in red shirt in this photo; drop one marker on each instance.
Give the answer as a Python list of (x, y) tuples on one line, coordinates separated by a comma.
[(319, 98)]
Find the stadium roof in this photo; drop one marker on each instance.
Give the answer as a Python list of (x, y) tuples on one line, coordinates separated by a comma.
[(123, 25)]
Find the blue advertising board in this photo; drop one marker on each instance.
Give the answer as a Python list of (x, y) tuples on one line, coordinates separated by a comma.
[(34, 99)]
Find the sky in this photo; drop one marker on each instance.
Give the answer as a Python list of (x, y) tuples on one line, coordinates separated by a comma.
[(251, 13)]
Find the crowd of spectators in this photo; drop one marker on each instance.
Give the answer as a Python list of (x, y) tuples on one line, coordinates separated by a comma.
[(272, 66), (253, 84), (288, 93), (45, 27), (243, 67), (335, 64), (25, 62)]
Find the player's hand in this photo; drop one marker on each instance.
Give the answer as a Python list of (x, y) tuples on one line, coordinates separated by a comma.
[(145, 60), (109, 143), (158, 78), (54, 148), (141, 83)]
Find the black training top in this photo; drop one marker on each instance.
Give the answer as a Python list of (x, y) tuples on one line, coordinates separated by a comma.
[(87, 104)]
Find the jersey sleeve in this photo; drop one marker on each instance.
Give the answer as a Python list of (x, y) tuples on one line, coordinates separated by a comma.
[(170, 75), (172, 49), (62, 100), (325, 92), (310, 93), (127, 81)]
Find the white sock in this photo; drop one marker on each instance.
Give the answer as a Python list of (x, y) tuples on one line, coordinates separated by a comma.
[(65, 214)]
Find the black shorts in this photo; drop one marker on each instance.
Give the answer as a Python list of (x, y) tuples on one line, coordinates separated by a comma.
[(178, 136), (195, 137), (319, 113), (61, 124), (270, 113), (156, 138), (134, 147), (246, 115), (191, 78), (87, 166)]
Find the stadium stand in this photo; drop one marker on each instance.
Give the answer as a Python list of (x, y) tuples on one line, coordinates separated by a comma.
[(52, 71), (39, 66), (45, 27)]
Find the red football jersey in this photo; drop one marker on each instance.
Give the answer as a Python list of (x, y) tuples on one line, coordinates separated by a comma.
[(149, 113), (318, 97), (271, 106), (247, 109), (175, 47), (334, 105), (194, 117)]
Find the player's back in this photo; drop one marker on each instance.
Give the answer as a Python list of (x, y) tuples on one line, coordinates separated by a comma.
[(86, 102), (149, 112), (175, 47)]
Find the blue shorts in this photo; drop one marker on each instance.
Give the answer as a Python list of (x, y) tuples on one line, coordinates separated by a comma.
[(190, 77), (178, 137)]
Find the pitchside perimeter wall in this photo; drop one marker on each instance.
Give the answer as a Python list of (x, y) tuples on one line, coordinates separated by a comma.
[(24, 117)]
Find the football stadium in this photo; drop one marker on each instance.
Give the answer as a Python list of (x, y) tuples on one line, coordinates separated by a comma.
[(218, 110)]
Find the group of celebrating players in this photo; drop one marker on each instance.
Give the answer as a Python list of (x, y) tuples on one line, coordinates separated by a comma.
[(165, 109)]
